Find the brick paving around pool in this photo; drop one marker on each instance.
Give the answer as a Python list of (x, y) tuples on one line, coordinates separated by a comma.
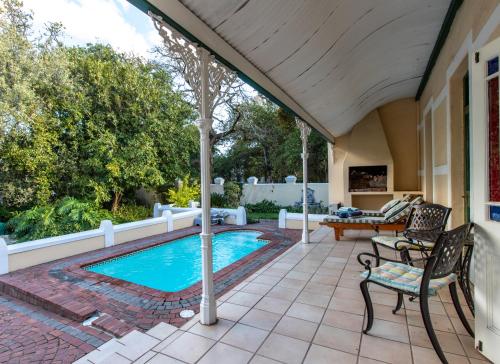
[(42, 307)]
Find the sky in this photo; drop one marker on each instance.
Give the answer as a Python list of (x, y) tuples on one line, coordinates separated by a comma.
[(114, 22)]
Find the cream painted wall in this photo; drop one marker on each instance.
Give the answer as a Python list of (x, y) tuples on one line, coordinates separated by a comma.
[(441, 189), (284, 194), (440, 135), (47, 254), (139, 233), (443, 133), (399, 119), (387, 135)]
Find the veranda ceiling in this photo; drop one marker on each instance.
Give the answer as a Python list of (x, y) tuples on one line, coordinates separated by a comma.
[(331, 61)]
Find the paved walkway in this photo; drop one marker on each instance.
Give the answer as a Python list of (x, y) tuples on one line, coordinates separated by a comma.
[(29, 334), (304, 307)]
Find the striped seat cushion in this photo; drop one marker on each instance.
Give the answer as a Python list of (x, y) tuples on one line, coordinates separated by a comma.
[(390, 241), (355, 220), (406, 278)]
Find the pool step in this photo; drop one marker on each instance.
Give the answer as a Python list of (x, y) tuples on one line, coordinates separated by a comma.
[(52, 302), (112, 325)]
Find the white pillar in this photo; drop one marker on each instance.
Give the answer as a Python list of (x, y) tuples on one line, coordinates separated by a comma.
[(210, 81), (208, 313), (109, 233), (305, 130)]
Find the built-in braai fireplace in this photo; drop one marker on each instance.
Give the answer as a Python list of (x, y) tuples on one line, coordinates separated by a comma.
[(368, 179)]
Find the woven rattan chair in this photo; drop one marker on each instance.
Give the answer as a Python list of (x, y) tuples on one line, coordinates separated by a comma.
[(440, 268), (423, 227)]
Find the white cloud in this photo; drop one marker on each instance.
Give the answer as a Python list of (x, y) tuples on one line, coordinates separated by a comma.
[(87, 21)]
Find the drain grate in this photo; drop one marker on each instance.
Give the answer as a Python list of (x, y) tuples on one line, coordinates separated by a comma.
[(187, 313)]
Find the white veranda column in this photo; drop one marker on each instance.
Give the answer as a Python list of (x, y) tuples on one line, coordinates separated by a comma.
[(209, 81), (305, 130)]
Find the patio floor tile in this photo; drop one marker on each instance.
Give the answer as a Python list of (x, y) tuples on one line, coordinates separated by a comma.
[(188, 347), (390, 330), (296, 328), (449, 342), (284, 349), (274, 305), (429, 356), (321, 355), (231, 312), (315, 299), (259, 359), (385, 350), (245, 337), (225, 354), (162, 359), (244, 299), (257, 288), (339, 339), (261, 319), (214, 332), (306, 312), (343, 320), (283, 293)]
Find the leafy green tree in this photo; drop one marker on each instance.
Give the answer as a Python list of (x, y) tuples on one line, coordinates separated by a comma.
[(184, 192)]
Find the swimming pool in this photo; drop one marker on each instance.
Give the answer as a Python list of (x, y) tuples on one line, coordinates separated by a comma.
[(176, 265)]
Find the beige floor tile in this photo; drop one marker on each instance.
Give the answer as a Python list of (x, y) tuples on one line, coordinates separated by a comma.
[(458, 326), (257, 288), (390, 330), (276, 272), (429, 356), (274, 305), (327, 279), (266, 279), (245, 337), (225, 354), (244, 299), (384, 312), (319, 288), (346, 305), (283, 293), (385, 350), (113, 358), (363, 360), (452, 312), (468, 345), (145, 358), (384, 298), (284, 349), (349, 283), (292, 283), (168, 340), (439, 322), (315, 299), (188, 347), (296, 328), (449, 342), (162, 359), (162, 331), (214, 332), (348, 294), (259, 359), (306, 312), (136, 344), (339, 339), (343, 320), (284, 266), (435, 308), (231, 312), (321, 355), (261, 319), (303, 276)]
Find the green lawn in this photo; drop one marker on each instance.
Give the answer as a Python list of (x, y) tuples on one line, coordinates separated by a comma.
[(263, 215)]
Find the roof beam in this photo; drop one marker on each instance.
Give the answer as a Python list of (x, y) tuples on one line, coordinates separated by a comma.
[(194, 29)]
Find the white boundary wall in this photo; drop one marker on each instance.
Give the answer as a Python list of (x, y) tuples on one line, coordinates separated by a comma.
[(30, 253), (289, 220)]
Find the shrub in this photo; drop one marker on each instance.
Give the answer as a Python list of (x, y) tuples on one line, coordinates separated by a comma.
[(128, 213), (232, 193), (65, 216), (5, 214), (218, 200), (184, 193), (263, 206)]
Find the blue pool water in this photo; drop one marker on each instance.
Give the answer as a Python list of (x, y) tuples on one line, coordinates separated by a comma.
[(176, 265)]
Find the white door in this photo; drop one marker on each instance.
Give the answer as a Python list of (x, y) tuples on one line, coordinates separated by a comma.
[(485, 195)]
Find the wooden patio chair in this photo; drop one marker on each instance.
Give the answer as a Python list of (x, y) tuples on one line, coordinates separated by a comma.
[(423, 227), (440, 268)]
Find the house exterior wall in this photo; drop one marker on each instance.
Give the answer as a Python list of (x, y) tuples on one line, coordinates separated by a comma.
[(441, 106)]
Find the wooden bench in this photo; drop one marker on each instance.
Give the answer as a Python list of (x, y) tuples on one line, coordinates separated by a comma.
[(339, 227)]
